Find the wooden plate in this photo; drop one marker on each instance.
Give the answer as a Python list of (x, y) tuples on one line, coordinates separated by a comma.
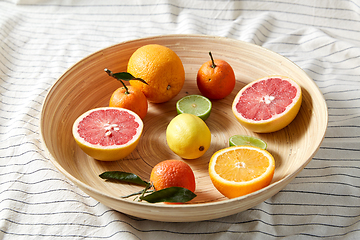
[(85, 86)]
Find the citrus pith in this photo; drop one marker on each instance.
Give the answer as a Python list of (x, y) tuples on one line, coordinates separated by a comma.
[(240, 170), (162, 70), (108, 133), (268, 104)]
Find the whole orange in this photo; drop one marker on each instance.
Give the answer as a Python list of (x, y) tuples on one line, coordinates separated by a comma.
[(172, 173), (162, 70), (133, 100), (215, 79)]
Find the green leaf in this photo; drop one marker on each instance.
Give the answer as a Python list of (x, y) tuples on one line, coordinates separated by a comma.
[(124, 177), (171, 194), (127, 77)]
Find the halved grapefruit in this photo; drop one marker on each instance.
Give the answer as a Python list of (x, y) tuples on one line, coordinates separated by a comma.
[(268, 104), (108, 133)]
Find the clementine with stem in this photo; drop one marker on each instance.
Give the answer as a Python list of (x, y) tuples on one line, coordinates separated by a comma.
[(128, 97), (215, 78)]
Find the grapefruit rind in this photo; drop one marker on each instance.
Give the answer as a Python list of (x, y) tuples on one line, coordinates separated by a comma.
[(232, 189), (107, 153), (278, 121)]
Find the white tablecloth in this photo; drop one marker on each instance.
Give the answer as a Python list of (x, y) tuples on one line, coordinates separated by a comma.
[(41, 39)]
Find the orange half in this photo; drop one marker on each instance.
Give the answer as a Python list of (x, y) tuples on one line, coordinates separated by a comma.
[(240, 170)]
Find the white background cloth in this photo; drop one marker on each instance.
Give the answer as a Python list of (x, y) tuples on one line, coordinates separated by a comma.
[(39, 40)]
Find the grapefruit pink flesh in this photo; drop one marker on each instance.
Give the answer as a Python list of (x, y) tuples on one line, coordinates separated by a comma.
[(108, 133), (108, 127), (268, 104), (266, 98)]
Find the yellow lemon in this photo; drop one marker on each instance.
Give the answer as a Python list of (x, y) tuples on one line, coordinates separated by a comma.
[(188, 136)]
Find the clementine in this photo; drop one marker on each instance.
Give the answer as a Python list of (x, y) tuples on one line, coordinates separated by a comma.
[(132, 99), (215, 78), (172, 173), (162, 70)]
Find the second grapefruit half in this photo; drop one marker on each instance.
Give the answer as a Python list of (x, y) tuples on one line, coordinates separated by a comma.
[(268, 104)]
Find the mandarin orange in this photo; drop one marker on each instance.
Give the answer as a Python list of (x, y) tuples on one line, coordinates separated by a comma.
[(215, 79), (172, 173), (133, 99)]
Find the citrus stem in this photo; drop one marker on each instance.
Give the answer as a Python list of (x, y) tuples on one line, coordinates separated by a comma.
[(148, 186), (212, 60), (137, 193), (110, 73)]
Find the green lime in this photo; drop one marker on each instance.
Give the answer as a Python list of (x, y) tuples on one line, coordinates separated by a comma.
[(238, 140), (194, 104)]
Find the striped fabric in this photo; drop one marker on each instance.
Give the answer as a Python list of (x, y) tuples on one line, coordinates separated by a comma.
[(39, 40)]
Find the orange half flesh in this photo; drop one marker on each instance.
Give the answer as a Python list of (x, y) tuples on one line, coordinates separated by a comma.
[(240, 170)]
